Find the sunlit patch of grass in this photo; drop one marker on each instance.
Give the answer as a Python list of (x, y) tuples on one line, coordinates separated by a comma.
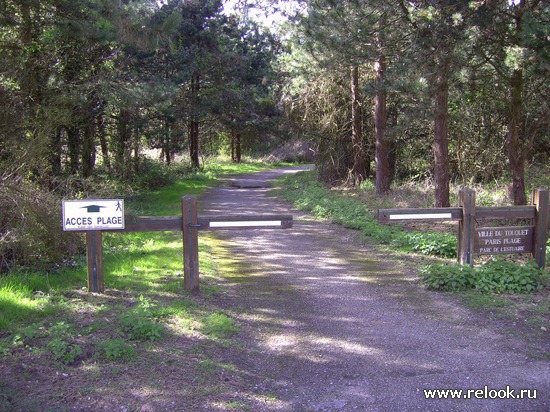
[(26, 298), (145, 262), (219, 325)]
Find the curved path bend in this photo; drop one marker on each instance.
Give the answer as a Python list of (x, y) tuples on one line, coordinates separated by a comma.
[(333, 324)]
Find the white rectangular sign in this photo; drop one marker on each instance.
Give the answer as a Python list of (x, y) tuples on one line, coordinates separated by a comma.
[(420, 216), (253, 223), (93, 214)]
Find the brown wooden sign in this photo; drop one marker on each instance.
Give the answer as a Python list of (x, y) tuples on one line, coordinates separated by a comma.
[(503, 240)]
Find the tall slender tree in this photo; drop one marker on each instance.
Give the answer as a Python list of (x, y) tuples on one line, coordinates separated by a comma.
[(510, 38)]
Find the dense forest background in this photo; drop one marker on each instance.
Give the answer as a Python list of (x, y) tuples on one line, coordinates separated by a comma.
[(383, 90)]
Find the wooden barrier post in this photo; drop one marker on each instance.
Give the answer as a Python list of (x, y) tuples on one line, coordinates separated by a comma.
[(94, 254), (540, 200), (190, 243), (466, 226)]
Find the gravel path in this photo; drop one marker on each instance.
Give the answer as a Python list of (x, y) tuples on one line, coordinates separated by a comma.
[(332, 324)]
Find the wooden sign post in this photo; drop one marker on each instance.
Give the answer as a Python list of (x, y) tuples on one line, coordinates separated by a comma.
[(466, 200), (540, 200), (94, 258), (190, 243)]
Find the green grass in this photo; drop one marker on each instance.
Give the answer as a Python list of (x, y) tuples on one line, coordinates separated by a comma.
[(143, 262), (350, 211), (145, 315)]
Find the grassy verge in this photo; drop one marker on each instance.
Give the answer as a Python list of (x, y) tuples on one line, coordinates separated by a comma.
[(518, 293), (145, 326), (349, 210)]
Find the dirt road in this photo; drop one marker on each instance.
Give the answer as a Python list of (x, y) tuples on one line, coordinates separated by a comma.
[(330, 323)]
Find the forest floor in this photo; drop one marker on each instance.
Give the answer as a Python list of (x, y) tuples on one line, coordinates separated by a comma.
[(313, 318)]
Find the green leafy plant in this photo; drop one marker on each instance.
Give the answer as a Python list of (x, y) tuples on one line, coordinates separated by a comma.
[(140, 324), (436, 244), (219, 325), (64, 351), (494, 277), (62, 345), (448, 277), (117, 349)]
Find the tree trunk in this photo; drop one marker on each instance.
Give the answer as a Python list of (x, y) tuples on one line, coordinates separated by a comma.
[(237, 147), (441, 135), (136, 149), (73, 144), (382, 154), (194, 143), (31, 84), (55, 153), (124, 136), (358, 169), (194, 125), (167, 146), (103, 141), (88, 153), (516, 154)]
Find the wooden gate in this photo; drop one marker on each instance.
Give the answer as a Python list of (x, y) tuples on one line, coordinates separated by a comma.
[(474, 240), (189, 223)]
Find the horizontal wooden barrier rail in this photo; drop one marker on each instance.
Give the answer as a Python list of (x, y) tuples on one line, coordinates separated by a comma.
[(175, 223), (455, 213), (152, 224), (420, 214), (506, 212)]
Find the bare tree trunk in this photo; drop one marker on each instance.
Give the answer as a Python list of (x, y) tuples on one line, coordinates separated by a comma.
[(194, 126), (441, 135), (358, 169), (382, 154), (194, 143), (55, 152), (235, 146), (88, 153), (73, 144), (167, 146), (124, 136), (103, 141), (516, 154)]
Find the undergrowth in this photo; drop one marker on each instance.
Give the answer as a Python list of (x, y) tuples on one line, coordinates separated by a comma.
[(492, 277)]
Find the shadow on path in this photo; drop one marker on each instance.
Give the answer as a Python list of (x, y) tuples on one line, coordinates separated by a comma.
[(332, 324)]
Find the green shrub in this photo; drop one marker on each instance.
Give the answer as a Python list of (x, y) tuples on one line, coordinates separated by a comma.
[(153, 175), (219, 325), (62, 344), (493, 277), (30, 228), (117, 349), (140, 324)]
